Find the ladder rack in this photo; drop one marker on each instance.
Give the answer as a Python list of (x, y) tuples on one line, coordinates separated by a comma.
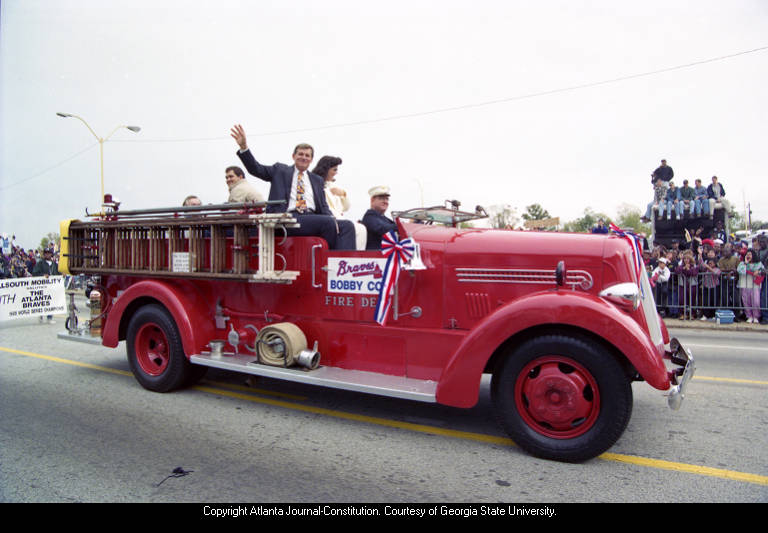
[(228, 242)]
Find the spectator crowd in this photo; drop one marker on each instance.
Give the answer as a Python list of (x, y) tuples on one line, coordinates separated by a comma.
[(16, 262), (709, 270), (694, 279)]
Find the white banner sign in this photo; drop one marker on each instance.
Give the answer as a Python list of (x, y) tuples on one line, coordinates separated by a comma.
[(26, 297), (355, 275)]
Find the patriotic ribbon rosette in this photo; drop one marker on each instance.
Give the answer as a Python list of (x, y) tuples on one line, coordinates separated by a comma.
[(637, 254), (398, 253)]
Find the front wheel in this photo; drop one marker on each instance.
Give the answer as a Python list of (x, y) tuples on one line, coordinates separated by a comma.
[(155, 352), (562, 397)]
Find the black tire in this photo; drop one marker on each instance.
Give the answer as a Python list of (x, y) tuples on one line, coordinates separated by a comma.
[(155, 352), (562, 397), (196, 373)]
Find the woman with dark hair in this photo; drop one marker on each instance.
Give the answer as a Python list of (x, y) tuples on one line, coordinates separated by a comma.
[(327, 167)]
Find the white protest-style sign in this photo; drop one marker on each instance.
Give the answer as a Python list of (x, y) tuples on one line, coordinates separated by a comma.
[(27, 297), (355, 275), (180, 262)]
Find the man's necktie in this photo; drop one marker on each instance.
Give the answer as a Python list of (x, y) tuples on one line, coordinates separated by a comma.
[(301, 203)]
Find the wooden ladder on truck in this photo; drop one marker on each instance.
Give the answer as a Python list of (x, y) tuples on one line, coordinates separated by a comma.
[(208, 242)]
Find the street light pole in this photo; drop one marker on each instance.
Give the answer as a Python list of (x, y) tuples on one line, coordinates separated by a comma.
[(101, 140)]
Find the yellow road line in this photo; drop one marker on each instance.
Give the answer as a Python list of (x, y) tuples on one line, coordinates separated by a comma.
[(432, 430), (68, 361), (730, 380), (128, 373), (492, 439), (684, 467), (364, 418)]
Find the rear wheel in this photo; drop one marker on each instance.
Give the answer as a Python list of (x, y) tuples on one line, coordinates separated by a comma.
[(562, 397), (155, 352)]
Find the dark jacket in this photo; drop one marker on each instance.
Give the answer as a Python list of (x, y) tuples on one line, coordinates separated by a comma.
[(687, 193), (281, 178), (672, 194), (42, 268), (377, 226), (665, 173), (711, 193)]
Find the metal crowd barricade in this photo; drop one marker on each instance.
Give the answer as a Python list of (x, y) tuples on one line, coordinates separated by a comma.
[(692, 297)]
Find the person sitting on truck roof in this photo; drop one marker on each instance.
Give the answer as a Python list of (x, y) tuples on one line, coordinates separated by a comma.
[(239, 189), (672, 198), (659, 194), (716, 193), (701, 200), (301, 192), (664, 172), (687, 199), (374, 219)]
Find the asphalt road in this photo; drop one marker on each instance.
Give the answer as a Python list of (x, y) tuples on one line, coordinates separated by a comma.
[(76, 427)]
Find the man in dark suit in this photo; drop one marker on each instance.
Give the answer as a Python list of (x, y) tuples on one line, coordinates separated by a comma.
[(301, 191)]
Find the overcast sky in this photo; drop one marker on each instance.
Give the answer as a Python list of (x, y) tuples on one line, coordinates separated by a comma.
[(487, 102)]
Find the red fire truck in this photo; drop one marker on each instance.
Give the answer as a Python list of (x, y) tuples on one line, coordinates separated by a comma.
[(562, 322)]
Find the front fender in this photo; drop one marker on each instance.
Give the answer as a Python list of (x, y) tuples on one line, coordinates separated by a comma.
[(460, 382), (193, 318)]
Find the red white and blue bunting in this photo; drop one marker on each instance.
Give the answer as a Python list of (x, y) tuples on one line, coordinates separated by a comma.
[(637, 254), (398, 253)]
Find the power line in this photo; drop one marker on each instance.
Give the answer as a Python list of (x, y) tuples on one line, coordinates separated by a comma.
[(466, 106), (70, 158), (417, 114)]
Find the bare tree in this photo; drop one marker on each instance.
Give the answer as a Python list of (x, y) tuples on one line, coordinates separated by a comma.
[(503, 216)]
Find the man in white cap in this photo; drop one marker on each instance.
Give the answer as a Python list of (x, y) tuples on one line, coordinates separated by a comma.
[(374, 220)]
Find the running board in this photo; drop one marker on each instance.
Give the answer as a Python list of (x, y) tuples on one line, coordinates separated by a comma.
[(326, 376)]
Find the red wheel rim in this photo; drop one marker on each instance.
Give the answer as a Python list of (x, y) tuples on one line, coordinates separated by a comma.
[(151, 347), (557, 397)]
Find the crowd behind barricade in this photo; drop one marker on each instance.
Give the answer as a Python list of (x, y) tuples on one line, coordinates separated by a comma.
[(16, 262), (699, 278)]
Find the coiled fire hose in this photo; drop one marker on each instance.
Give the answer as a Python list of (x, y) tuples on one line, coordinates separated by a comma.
[(280, 344)]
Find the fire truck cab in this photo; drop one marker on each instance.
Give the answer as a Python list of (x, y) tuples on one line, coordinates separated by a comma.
[(562, 322)]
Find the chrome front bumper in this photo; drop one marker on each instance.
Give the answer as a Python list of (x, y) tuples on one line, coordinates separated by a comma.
[(679, 377)]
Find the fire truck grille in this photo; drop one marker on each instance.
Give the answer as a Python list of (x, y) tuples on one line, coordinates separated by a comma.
[(574, 278)]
